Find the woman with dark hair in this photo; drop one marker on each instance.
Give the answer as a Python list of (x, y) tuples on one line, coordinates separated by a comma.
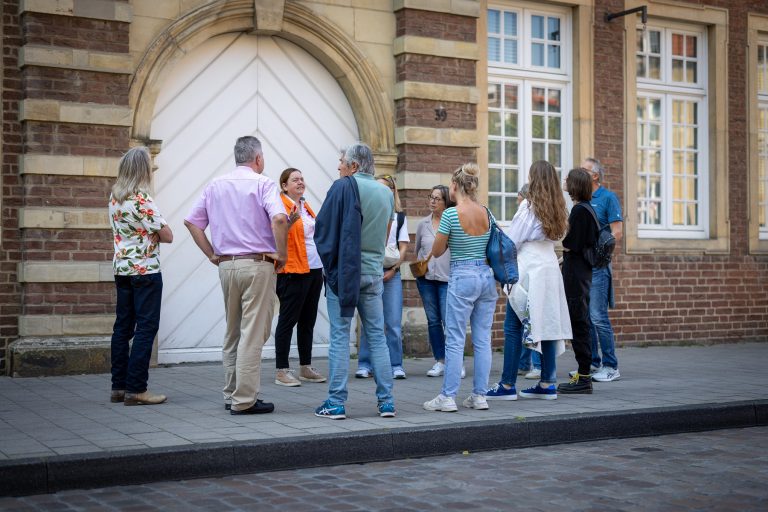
[(537, 312), (577, 276), (433, 286), (137, 230), (298, 285)]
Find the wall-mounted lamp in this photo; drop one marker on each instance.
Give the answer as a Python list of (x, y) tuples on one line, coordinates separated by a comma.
[(643, 10), (441, 114)]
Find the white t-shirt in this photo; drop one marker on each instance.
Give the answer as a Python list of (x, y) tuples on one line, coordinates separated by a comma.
[(403, 235)]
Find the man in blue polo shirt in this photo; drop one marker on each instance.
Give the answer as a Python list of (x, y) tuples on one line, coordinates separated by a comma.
[(608, 210)]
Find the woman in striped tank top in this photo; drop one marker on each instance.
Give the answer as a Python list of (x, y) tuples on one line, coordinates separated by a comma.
[(465, 229)]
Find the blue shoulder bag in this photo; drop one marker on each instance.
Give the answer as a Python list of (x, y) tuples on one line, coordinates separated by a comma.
[(502, 255)]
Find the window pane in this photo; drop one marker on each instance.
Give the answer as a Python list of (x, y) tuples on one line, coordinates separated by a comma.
[(654, 162), (641, 69), (553, 29), (654, 135), (537, 54), (537, 98), (510, 125), (677, 188), (510, 51), (537, 27), (677, 70), (494, 204), (641, 104), (553, 132), (678, 214), (677, 137), (494, 95), (639, 40), (677, 112), (493, 21), (654, 37), (553, 56), (494, 152), (537, 127), (690, 46), (690, 138), (494, 123), (554, 100), (677, 45), (693, 214), (510, 207), (494, 49), (510, 154), (538, 151), (690, 189), (690, 72), (655, 109), (654, 68), (510, 180), (510, 97), (510, 23), (554, 154), (494, 180)]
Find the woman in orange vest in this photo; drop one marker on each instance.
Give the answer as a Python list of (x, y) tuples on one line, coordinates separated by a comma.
[(298, 285)]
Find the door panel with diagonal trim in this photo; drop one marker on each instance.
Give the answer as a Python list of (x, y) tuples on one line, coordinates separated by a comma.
[(229, 86)]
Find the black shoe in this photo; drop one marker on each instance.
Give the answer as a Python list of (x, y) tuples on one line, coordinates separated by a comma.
[(258, 408), (227, 406), (578, 385)]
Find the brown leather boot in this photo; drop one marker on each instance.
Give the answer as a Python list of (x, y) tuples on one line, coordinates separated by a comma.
[(145, 398), (117, 395)]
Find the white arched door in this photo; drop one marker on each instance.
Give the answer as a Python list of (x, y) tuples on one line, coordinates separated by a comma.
[(230, 86)]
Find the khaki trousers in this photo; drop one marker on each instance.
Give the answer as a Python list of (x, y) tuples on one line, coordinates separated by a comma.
[(249, 302)]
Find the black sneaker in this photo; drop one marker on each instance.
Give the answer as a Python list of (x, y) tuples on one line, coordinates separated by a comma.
[(258, 408), (578, 385)]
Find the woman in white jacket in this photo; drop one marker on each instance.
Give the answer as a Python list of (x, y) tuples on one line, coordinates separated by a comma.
[(537, 311)]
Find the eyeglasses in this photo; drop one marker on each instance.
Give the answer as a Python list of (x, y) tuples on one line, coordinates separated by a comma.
[(434, 198)]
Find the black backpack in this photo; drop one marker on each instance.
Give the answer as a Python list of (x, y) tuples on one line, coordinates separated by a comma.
[(599, 255)]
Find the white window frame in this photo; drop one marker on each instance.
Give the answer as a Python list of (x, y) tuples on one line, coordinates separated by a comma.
[(526, 77), (669, 91)]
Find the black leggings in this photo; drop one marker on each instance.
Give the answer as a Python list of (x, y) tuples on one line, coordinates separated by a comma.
[(299, 295), (577, 280)]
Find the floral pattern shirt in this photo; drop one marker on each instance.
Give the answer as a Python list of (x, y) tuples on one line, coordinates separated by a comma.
[(133, 221)]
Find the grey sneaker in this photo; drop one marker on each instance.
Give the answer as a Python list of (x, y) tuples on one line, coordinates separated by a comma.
[(474, 401), (534, 374), (284, 377), (441, 403), (606, 374)]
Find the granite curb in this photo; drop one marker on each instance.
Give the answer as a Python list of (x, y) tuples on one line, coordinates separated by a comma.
[(40, 475)]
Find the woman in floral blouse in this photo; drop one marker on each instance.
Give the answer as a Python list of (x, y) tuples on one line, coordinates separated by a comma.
[(137, 228)]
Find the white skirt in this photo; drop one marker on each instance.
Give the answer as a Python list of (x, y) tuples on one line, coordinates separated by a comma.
[(538, 298)]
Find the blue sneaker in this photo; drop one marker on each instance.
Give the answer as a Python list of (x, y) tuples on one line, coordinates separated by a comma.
[(328, 410), (548, 393), (499, 392), (387, 410)]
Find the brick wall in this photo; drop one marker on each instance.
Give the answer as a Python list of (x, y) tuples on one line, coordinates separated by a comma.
[(10, 244), (692, 298)]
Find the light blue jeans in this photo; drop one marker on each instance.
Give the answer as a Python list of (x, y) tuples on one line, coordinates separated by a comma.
[(471, 296), (392, 299), (529, 360), (369, 307), (434, 295), (600, 298)]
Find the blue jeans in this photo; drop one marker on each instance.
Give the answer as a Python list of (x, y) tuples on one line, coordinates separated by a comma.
[(392, 299), (513, 346), (529, 360), (369, 306), (600, 297), (138, 317), (434, 295), (471, 296)]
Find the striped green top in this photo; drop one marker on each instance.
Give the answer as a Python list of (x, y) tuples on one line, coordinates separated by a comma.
[(462, 245)]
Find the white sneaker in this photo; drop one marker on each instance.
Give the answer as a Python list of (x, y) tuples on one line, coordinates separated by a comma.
[(474, 401), (398, 373), (534, 374), (463, 371), (437, 370), (592, 370), (441, 403), (363, 373), (606, 374)]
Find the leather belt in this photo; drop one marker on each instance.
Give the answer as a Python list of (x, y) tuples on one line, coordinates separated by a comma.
[(254, 257)]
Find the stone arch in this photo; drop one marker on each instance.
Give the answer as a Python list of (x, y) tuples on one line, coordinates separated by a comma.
[(322, 39)]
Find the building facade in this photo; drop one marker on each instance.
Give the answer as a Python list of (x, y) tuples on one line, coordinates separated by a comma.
[(676, 109)]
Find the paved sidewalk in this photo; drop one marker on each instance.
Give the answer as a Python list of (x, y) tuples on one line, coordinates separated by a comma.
[(72, 416)]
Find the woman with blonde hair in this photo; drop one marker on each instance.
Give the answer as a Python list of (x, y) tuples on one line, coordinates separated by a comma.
[(137, 229), (397, 246), (537, 311), (465, 230)]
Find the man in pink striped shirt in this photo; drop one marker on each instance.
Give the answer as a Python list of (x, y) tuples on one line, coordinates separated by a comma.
[(249, 229)]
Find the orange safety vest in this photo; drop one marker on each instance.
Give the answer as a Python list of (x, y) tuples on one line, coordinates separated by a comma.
[(297, 250)]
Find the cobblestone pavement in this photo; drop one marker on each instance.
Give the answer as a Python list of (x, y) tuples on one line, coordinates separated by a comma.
[(72, 415), (723, 470)]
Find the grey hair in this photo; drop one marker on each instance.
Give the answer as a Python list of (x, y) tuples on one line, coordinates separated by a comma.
[(596, 167), (523, 192), (134, 174), (246, 149), (360, 154)]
